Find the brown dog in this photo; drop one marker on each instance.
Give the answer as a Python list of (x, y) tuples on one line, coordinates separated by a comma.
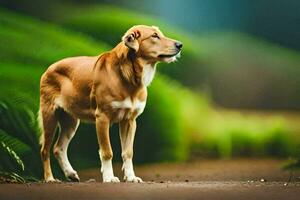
[(106, 89)]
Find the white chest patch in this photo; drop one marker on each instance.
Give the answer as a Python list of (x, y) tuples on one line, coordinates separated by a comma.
[(125, 104), (148, 74), (130, 105)]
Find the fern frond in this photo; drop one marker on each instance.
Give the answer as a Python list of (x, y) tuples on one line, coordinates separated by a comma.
[(12, 154), (14, 143)]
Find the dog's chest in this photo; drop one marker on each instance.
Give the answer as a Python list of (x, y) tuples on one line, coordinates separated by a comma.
[(127, 108), (148, 74)]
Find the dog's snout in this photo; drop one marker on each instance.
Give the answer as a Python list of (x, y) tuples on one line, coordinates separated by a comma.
[(178, 45)]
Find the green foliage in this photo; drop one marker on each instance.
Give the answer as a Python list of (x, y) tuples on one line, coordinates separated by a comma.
[(168, 132), (19, 139), (20, 122), (8, 154), (13, 143), (12, 177), (38, 43), (239, 135), (28, 47)]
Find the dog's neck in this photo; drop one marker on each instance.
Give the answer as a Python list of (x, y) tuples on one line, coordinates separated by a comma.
[(134, 69)]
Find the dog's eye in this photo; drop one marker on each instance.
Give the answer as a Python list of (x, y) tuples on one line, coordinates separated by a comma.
[(155, 36)]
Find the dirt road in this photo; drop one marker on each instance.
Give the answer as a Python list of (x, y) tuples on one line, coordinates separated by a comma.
[(238, 179)]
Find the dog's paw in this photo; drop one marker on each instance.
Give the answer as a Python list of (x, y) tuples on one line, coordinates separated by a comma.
[(73, 177), (112, 179), (52, 180), (133, 179)]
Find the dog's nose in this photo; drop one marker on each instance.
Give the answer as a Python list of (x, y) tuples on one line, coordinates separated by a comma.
[(178, 45)]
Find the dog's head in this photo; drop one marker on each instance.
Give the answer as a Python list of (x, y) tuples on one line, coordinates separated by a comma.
[(149, 42)]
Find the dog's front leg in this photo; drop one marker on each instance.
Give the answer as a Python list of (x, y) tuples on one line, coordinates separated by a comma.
[(127, 132), (105, 151)]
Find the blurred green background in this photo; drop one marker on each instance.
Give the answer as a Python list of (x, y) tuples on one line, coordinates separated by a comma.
[(235, 92)]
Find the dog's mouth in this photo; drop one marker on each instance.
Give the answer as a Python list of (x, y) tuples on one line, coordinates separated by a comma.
[(168, 55)]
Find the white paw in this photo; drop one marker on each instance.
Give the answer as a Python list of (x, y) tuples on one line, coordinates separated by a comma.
[(111, 179), (52, 180), (133, 179), (73, 176)]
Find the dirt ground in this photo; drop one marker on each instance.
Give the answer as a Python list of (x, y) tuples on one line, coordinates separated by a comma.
[(206, 179)]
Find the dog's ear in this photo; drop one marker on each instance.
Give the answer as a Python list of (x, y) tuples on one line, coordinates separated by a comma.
[(130, 39)]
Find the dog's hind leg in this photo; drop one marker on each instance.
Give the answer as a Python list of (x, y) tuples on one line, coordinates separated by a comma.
[(48, 124), (68, 126)]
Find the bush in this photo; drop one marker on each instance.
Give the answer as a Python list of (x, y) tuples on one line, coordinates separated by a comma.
[(19, 146)]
